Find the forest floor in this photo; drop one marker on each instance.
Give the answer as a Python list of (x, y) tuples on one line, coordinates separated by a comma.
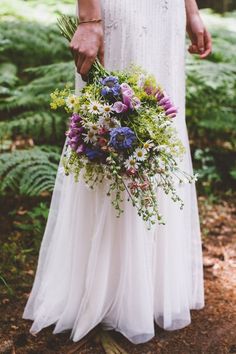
[(213, 329)]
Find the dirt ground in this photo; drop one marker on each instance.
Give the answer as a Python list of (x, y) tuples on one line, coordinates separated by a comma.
[(213, 329)]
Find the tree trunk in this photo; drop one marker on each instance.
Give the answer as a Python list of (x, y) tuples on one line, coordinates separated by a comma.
[(218, 5)]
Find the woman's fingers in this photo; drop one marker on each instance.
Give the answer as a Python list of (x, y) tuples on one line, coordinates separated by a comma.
[(208, 45), (79, 62), (193, 49), (202, 46), (86, 66), (86, 45), (101, 54), (200, 41)]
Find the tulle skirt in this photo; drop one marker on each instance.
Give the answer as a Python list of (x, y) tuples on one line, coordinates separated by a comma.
[(96, 268)]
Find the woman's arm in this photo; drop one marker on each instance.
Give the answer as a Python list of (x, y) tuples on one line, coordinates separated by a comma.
[(88, 42), (200, 37)]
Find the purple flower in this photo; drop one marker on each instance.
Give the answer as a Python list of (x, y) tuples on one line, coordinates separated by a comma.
[(164, 101), (127, 98), (75, 132), (119, 107), (111, 86), (75, 139), (80, 149), (167, 105), (122, 138), (171, 112), (75, 118)]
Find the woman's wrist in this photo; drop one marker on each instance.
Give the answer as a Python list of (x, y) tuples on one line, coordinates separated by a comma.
[(89, 9), (191, 8)]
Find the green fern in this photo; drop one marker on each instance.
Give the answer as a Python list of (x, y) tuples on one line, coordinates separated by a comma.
[(28, 172), (35, 94), (27, 44), (43, 127), (211, 97)]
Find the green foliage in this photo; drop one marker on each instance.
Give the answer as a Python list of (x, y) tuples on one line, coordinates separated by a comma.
[(36, 93), (28, 172), (44, 11), (206, 169), (43, 127), (211, 112), (32, 225), (211, 98), (28, 44)]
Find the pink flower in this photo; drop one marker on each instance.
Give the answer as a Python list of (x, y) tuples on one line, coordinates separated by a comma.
[(159, 95), (125, 87), (171, 110), (80, 149), (102, 141), (131, 171), (119, 107), (102, 131), (163, 101)]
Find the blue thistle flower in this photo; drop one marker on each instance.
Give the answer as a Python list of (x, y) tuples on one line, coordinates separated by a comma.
[(122, 138)]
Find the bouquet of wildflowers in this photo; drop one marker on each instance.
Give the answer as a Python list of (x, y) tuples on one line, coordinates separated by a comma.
[(121, 130)]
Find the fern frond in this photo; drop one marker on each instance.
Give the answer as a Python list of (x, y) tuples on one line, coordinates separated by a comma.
[(43, 127), (28, 44), (36, 93), (28, 172)]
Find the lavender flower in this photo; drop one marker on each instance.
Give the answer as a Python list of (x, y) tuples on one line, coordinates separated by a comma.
[(122, 138)]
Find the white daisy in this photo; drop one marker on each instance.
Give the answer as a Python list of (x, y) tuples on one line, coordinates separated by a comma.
[(70, 101), (84, 109), (106, 109), (140, 154), (148, 145), (90, 137), (105, 121), (94, 107), (130, 163), (94, 127)]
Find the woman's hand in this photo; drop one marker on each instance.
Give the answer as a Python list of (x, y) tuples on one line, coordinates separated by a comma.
[(201, 42), (87, 44)]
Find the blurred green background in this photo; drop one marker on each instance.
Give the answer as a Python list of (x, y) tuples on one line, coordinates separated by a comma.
[(34, 59)]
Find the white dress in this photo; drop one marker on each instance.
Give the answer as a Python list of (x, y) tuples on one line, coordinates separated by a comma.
[(96, 268)]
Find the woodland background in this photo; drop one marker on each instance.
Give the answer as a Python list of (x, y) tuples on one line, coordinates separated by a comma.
[(34, 59)]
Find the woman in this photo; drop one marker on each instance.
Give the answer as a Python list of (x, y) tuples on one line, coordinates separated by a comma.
[(94, 268)]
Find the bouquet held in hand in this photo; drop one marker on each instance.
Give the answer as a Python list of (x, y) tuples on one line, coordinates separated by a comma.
[(121, 130)]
